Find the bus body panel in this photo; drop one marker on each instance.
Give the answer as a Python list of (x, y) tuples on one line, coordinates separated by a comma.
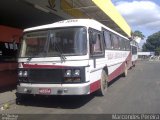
[(54, 89)]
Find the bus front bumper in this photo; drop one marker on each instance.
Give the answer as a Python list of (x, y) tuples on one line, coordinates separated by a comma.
[(54, 89)]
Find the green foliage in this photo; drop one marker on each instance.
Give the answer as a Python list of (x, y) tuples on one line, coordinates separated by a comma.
[(144, 48), (138, 34), (152, 43), (158, 50)]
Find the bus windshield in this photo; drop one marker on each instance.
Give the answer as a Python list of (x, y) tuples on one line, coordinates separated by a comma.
[(50, 43)]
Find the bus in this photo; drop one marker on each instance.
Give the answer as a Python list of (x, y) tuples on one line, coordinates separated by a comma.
[(71, 57), (134, 52)]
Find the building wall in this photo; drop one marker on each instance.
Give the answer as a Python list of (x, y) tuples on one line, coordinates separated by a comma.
[(7, 34), (8, 69)]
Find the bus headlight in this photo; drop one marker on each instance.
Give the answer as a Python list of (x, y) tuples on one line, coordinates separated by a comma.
[(68, 73), (76, 73), (20, 73), (25, 74), (72, 76)]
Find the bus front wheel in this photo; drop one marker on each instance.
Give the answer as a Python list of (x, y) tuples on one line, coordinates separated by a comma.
[(103, 84)]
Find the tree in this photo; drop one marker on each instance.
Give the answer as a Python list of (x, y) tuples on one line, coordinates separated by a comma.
[(158, 51), (138, 34), (152, 43)]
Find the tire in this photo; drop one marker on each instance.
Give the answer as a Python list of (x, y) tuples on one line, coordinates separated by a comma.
[(125, 73), (134, 65), (103, 84)]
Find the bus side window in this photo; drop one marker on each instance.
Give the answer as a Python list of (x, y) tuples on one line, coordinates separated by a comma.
[(127, 44), (111, 38), (107, 38), (96, 48), (120, 44), (115, 42), (98, 45), (123, 44)]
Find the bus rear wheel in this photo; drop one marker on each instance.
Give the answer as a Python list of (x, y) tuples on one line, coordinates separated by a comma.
[(125, 73), (103, 84), (133, 64)]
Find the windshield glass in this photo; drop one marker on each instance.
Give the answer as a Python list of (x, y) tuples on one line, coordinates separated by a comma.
[(50, 43)]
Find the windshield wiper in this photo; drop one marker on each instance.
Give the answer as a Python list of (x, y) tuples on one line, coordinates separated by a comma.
[(62, 57), (41, 54)]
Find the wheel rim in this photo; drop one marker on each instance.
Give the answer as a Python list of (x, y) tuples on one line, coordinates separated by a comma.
[(104, 82), (126, 70)]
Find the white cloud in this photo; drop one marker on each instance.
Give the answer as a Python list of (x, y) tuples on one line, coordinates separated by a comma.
[(141, 14)]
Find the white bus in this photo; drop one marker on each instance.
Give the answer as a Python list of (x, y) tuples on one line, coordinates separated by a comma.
[(134, 52), (71, 57)]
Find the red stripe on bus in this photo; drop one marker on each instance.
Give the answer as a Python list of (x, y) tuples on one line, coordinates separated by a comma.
[(117, 72), (94, 86), (41, 66), (120, 69)]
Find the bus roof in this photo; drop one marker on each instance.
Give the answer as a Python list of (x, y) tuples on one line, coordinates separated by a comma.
[(74, 22)]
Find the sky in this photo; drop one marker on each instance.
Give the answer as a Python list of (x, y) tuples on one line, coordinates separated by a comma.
[(142, 15)]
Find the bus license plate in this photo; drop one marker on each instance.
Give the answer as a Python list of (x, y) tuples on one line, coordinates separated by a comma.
[(45, 91)]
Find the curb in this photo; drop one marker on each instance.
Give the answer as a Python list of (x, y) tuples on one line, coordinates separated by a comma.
[(10, 102)]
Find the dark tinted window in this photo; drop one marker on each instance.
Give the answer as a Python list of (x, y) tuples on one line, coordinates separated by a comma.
[(107, 37), (115, 42), (96, 44), (134, 50), (127, 44)]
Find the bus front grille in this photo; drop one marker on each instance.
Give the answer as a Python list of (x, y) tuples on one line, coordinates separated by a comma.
[(45, 76)]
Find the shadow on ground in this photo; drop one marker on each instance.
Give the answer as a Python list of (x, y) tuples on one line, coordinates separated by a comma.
[(65, 102), (7, 88), (115, 80)]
